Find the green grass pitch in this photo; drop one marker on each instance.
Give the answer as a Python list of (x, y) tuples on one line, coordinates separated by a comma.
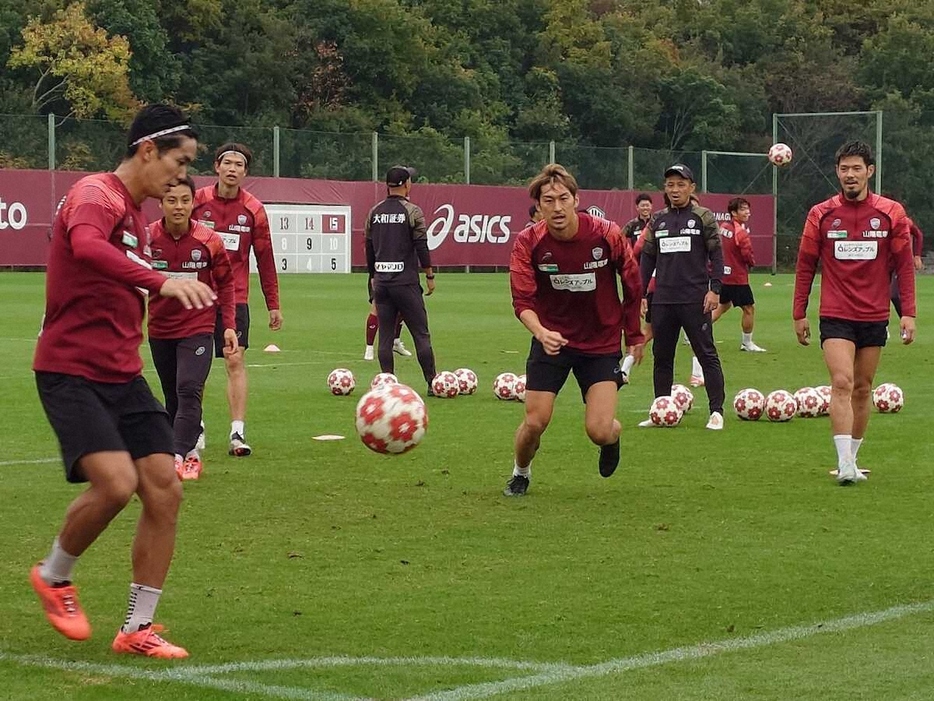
[(322, 571)]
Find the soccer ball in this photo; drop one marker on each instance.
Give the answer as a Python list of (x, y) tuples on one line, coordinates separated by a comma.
[(749, 404), (824, 391), (683, 397), (466, 380), (504, 386), (665, 412), (383, 378), (341, 382), (520, 388), (810, 402), (780, 154), (780, 406), (391, 419), (888, 398), (445, 385)]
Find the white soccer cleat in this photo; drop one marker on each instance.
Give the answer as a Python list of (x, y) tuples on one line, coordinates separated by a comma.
[(849, 474), (239, 447), (751, 348), (696, 381), (648, 423), (715, 423), (368, 353), (201, 442), (398, 347)]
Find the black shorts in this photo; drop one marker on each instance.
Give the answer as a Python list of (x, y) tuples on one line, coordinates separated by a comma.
[(737, 295), (548, 373), (648, 307), (863, 333), (92, 417), (243, 330)]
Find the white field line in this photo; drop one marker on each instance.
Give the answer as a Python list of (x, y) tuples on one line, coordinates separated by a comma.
[(40, 461), (680, 654), (543, 674)]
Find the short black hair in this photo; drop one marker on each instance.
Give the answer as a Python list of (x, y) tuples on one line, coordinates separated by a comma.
[(736, 203), (856, 148), (533, 210), (642, 197), (156, 118), (242, 149), (190, 182)]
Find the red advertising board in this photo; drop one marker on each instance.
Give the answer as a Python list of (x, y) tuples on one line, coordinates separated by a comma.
[(467, 224)]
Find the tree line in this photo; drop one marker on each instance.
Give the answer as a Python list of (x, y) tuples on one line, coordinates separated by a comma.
[(672, 75)]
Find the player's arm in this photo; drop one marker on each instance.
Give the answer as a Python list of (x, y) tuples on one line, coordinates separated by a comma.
[(223, 278), (649, 252), (805, 269), (266, 264), (630, 279), (904, 268), (917, 244), (420, 241), (745, 246), (523, 287), (714, 250), (91, 247)]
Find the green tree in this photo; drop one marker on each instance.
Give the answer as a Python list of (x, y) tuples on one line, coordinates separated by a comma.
[(80, 68)]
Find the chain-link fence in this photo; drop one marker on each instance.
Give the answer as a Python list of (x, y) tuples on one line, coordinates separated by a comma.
[(906, 138)]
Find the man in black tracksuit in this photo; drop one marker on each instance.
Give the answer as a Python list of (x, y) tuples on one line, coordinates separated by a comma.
[(396, 246), (682, 247)]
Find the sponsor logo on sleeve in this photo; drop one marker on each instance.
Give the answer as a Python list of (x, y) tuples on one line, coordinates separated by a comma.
[(129, 239), (837, 234), (548, 267)]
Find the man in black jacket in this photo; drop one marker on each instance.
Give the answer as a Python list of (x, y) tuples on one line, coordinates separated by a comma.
[(396, 247), (682, 247)]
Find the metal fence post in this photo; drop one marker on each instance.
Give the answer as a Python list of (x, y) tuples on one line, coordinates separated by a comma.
[(630, 169), (551, 151), (703, 171), (275, 152), (774, 200), (879, 152), (51, 142), (467, 160), (375, 156)]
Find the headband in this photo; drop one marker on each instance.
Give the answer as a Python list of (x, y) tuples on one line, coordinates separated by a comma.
[(235, 152), (162, 132)]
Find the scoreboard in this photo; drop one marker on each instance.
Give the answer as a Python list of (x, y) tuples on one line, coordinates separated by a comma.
[(310, 238)]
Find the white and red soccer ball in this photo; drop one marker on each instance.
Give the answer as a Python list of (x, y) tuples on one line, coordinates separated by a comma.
[(888, 398), (665, 412), (466, 380), (780, 406), (824, 391), (391, 419), (780, 154), (383, 378), (341, 382), (504, 386), (520, 388), (749, 404), (445, 385), (810, 402), (683, 397)]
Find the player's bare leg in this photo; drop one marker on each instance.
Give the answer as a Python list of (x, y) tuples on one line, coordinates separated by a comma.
[(840, 358), (601, 424), (236, 401), (160, 493), (539, 407), (113, 480), (748, 323), (864, 370)]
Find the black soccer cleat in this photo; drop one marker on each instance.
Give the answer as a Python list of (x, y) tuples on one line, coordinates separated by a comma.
[(609, 458), (517, 486)]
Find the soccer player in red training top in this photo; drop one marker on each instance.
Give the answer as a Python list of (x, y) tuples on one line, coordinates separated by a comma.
[(181, 339), (563, 278), (859, 238), (240, 220), (112, 431)]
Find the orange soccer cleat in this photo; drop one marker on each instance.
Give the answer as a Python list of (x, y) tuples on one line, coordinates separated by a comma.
[(147, 642), (191, 468), (61, 607)]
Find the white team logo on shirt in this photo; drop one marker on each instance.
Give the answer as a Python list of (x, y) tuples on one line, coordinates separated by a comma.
[(875, 223), (196, 255), (241, 219), (691, 223), (597, 253)]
